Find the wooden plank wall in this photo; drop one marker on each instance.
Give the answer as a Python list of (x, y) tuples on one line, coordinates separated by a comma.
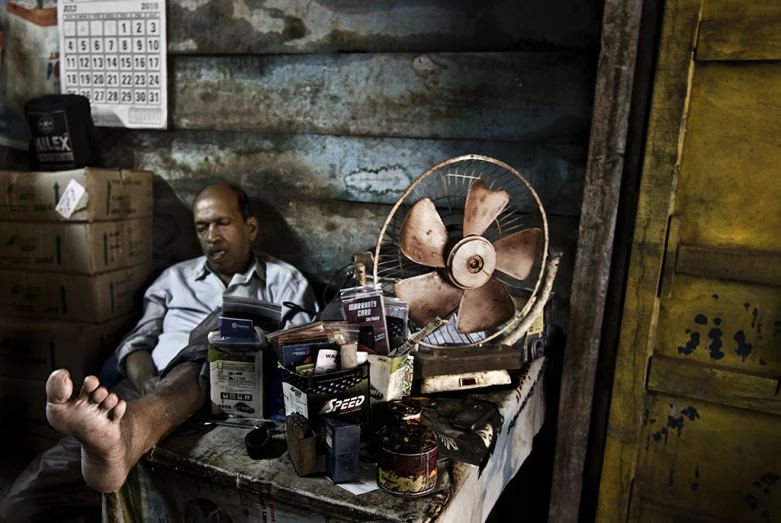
[(325, 111)]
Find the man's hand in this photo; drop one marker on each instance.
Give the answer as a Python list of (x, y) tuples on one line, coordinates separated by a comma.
[(141, 371)]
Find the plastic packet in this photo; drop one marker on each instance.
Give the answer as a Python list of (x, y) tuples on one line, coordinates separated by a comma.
[(396, 314), (363, 306)]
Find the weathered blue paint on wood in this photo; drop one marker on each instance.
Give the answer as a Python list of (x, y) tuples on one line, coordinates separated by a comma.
[(325, 143), (317, 236), (482, 96), (317, 26), (315, 167)]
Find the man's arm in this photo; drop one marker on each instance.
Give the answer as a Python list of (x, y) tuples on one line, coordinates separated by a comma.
[(299, 292), (141, 371), (134, 353)]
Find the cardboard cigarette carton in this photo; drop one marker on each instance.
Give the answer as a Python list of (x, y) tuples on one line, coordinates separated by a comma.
[(33, 349), (82, 195), (342, 394), (81, 248), (23, 410), (73, 297)]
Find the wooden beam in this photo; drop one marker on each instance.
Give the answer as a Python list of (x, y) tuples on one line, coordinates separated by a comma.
[(316, 167), (615, 74), (725, 386), (627, 209), (641, 304), (530, 97), (317, 236), (671, 252), (749, 266), (740, 39), (314, 26)]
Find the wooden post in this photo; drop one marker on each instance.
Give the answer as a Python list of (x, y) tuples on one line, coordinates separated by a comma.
[(613, 94)]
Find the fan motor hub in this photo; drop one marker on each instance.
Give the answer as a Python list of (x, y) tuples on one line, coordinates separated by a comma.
[(471, 262)]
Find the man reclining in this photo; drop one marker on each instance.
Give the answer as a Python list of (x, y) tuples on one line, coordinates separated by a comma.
[(116, 428)]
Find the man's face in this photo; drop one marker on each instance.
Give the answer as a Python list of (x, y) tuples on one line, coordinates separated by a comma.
[(224, 234)]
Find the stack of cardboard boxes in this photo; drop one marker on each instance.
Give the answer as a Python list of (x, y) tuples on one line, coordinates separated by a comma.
[(75, 258)]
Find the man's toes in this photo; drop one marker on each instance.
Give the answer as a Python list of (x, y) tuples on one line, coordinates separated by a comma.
[(59, 386), (117, 412), (110, 402), (90, 384), (98, 395)]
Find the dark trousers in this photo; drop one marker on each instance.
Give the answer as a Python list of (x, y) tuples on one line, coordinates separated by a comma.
[(52, 488)]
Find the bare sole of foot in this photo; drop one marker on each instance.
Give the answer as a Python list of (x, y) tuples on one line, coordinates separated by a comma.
[(94, 418)]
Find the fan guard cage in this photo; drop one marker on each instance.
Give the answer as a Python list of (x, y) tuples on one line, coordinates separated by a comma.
[(447, 184)]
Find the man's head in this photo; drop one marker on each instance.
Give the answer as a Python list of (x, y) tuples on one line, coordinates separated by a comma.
[(225, 229)]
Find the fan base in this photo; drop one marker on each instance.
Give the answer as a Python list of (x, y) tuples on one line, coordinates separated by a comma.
[(456, 360), (470, 380)]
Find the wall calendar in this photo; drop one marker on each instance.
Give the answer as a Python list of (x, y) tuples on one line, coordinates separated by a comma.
[(114, 53)]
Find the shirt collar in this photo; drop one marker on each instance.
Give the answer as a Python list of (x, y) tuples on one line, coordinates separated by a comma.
[(256, 267)]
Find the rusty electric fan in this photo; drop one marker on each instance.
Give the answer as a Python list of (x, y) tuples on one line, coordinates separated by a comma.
[(466, 242)]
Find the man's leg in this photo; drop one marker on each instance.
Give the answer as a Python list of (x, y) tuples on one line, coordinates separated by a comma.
[(114, 434), (51, 487)]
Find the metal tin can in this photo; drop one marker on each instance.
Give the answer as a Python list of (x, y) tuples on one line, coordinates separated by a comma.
[(407, 460)]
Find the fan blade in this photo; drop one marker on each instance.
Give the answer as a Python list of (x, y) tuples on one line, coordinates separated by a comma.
[(515, 254), (429, 297), (482, 207), (423, 236), (484, 308)]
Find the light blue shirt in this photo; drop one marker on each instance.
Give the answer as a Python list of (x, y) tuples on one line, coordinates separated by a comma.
[(187, 292)]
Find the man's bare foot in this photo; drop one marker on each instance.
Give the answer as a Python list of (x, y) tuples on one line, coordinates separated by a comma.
[(94, 418)]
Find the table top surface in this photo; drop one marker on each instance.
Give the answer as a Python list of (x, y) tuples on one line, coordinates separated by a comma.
[(218, 454)]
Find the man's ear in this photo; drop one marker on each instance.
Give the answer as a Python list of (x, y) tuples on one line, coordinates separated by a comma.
[(254, 226)]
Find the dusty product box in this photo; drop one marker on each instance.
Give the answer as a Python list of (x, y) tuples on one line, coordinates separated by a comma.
[(72, 297), (31, 349), (537, 338), (94, 195), (301, 444), (343, 445), (342, 394), (237, 355), (80, 248), (391, 377), (236, 377)]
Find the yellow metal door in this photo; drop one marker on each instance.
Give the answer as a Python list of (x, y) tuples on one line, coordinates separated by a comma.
[(695, 418)]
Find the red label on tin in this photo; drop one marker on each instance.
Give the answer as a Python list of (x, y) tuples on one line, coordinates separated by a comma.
[(407, 474)]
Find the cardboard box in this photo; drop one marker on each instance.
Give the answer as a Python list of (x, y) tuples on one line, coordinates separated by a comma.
[(40, 444), (390, 378), (73, 297), (237, 382), (32, 350), (110, 194), (342, 394), (23, 409), (81, 248)]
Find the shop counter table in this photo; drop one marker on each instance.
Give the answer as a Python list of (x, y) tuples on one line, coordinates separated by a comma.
[(201, 473)]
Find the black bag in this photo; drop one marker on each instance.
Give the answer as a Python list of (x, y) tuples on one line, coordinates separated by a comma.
[(63, 133)]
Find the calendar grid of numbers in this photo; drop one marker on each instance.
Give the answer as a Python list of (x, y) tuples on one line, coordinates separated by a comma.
[(114, 53)]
